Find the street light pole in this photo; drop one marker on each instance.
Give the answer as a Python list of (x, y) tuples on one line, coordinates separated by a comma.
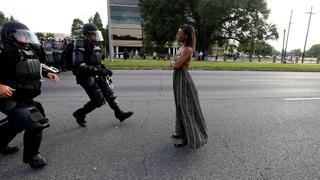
[(110, 32), (305, 44), (284, 41), (285, 50)]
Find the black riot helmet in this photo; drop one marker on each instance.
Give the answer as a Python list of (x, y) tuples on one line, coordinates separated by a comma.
[(18, 33), (90, 29)]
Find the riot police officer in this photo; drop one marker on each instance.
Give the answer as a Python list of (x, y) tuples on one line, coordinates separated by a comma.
[(91, 75), (20, 75)]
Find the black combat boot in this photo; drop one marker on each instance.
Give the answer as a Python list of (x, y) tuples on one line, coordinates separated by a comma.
[(9, 150), (36, 161), (81, 113), (31, 155), (80, 118), (121, 115)]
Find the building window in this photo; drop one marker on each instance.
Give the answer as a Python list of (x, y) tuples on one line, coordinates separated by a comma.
[(121, 15), (125, 2)]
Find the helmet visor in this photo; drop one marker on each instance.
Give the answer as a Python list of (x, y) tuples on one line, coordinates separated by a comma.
[(97, 34), (26, 37)]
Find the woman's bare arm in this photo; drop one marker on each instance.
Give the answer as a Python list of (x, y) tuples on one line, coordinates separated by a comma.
[(185, 55)]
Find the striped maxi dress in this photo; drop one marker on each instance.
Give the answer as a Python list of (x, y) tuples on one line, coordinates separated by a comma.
[(190, 122)]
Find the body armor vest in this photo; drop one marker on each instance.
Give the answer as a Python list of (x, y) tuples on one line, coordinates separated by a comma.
[(28, 71), (95, 57)]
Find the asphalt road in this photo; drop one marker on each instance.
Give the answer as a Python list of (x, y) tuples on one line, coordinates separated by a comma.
[(262, 125)]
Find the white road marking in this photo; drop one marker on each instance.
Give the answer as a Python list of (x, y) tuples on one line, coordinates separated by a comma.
[(264, 80), (301, 99)]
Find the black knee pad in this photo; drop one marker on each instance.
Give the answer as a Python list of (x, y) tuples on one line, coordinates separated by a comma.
[(37, 117), (94, 92), (97, 98), (39, 107), (29, 118), (111, 98)]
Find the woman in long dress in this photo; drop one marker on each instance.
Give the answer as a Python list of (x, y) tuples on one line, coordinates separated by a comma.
[(191, 128)]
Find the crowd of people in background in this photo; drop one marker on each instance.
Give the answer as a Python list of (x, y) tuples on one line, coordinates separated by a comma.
[(133, 54), (57, 56), (56, 53)]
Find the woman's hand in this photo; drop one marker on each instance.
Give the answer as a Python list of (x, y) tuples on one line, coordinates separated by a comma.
[(53, 77), (6, 91)]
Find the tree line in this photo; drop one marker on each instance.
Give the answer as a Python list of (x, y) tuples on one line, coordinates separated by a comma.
[(4, 19), (217, 22)]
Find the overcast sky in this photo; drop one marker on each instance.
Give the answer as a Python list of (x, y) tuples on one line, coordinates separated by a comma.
[(57, 15)]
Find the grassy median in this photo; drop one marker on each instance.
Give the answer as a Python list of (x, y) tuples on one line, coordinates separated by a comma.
[(232, 66)]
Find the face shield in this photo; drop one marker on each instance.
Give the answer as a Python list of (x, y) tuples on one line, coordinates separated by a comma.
[(25, 37), (95, 36)]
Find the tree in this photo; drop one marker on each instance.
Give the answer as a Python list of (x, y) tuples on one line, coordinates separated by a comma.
[(96, 19), (296, 52), (12, 18), (3, 18), (40, 35), (248, 25), (314, 51), (160, 21), (105, 35), (261, 49), (216, 21), (264, 49), (49, 35), (76, 28)]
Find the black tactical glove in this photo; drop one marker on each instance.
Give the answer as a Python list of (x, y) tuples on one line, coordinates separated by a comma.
[(105, 71)]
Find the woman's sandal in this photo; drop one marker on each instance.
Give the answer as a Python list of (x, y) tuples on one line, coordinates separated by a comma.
[(181, 143)]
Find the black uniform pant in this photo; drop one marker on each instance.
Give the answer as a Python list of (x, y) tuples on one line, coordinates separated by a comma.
[(99, 93), (18, 120)]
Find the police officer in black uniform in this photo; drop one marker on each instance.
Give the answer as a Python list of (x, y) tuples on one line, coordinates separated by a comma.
[(20, 75), (91, 75)]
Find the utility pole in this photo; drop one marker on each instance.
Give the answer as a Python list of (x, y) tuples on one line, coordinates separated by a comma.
[(305, 44), (110, 32), (285, 50), (284, 41)]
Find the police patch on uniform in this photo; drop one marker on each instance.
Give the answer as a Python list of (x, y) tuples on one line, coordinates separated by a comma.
[(81, 49)]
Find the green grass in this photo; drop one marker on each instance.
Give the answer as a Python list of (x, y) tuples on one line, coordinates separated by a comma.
[(152, 64)]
